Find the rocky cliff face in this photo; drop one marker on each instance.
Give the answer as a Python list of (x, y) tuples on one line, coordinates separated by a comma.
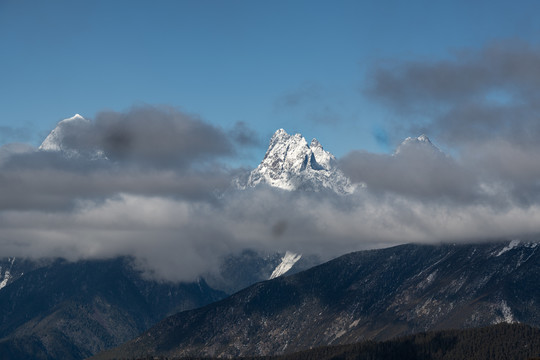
[(376, 294)]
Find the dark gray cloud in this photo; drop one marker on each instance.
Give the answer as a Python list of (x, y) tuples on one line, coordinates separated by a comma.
[(497, 173), (483, 105), (476, 95), (133, 183), (61, 189), (244, 135), (146, 151), (416, 172), (159, 137), (11, 149), (153, 136)]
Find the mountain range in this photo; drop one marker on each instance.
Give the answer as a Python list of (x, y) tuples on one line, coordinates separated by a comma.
[(55, 309), (261, 303), (375, 294)]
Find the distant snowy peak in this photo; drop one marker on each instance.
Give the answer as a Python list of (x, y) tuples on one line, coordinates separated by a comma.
[(420, 142), (54, 141), (291, 164), (6, 277), (70, 137)]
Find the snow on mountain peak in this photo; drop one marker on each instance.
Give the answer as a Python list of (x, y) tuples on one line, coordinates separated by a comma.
[(291, 164), (415, 142), (315, 144), (54, 141), (68, 138), (423, 138), (280, 133), (75, 117)]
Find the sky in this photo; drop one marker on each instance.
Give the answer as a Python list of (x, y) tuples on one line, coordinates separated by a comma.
[(179, 97), (297, 65)]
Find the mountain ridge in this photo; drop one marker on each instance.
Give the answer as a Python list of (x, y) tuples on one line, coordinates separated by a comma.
[(373, 294)]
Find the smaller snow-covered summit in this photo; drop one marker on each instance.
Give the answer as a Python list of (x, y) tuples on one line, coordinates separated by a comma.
[(421, 141), (54, 141), (70, 137), (291, 164)]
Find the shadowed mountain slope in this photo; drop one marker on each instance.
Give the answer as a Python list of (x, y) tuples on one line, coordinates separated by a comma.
[(376, 294)]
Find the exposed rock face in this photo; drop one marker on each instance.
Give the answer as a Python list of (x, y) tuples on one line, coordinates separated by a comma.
[(377, 294), (291, 164)]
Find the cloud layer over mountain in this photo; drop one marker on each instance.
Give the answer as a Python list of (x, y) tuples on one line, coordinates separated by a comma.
[(481, 104), (154, 183)]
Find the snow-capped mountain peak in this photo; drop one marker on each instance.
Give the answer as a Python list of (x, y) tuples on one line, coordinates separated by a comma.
[(421, 141), (54, 141), (70, 138), (75, 117), (291, 164)]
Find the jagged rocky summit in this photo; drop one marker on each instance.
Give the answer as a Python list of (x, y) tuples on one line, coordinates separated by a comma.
[(291, 164)]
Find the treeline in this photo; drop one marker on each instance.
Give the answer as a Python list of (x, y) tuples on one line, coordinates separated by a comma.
[(497, 342)]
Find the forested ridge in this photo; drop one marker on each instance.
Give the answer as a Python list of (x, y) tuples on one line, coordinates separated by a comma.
[(497, 342)]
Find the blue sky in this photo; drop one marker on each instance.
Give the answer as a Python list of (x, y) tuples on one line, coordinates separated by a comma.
[(300, 65)]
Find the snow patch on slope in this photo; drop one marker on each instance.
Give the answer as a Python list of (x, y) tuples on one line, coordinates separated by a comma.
[(7, 274), (287, 262), (513, 244), (507, 315)]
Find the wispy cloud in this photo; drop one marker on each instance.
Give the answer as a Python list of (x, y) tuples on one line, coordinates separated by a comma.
[(313, 100)]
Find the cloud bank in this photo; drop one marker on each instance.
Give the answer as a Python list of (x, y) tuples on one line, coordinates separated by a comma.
[(483, 104), (153, 183)]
